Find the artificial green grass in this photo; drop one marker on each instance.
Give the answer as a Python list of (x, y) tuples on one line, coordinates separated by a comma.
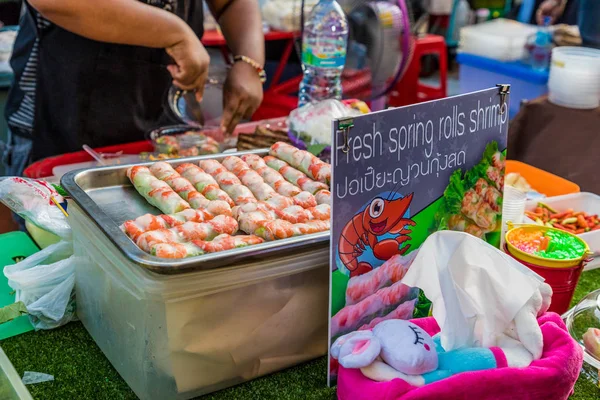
[(82, 372)]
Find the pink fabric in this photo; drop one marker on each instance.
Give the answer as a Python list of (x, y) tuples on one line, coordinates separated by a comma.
[(500, 357), (551, 377)]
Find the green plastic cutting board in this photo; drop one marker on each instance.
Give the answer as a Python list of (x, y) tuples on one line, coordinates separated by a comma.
[(14, 247)]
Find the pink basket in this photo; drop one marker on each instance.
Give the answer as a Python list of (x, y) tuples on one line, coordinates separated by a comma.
[(551, 377)]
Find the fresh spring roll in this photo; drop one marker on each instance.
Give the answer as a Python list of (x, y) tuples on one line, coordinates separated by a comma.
[(188, 231), (134, 228), (321, 212), (175, 250), (253, 181), (280, 229), (305, 199), (378, 304), (230, 183), (187, 191), (293, 214), (227, 242), (156, 192), (294, 176), (302, 160), (270, 176), (300, 197), (203, 182), (392, 271), (323, 197), (198, 247), (261, 223)]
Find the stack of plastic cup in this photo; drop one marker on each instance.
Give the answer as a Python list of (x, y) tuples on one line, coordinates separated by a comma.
[(513, 209), (575, 77)]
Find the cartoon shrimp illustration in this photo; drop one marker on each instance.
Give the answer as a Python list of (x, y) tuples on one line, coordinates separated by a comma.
[(381, 216)]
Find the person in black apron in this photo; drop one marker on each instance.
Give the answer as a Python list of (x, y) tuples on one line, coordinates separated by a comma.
[(98, 73)]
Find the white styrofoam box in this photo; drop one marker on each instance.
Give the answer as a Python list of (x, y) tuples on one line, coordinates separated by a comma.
[(500, 39), (185, 335), (586, 202)]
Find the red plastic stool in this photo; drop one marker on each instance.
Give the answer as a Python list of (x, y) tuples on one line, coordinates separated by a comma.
[(409, 90)]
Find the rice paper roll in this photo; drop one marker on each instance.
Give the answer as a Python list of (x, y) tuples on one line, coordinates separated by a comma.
[(229, 182), (134, 228), (175, 250), (227, 242), (188, 231), (294, 176), (156, 192), (302, 160), (323, 197), (203, 182)]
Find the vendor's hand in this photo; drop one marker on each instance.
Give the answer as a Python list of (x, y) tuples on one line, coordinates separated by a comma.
[(191, 64), (550, 8), (242, 94)]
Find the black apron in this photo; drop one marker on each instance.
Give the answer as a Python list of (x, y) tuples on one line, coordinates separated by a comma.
[(101, 94)]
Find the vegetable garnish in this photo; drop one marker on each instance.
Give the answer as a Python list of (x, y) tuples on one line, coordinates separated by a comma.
[(569, 221)]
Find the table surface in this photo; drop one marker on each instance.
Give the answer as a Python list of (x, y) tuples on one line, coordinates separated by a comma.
[(81, 371)]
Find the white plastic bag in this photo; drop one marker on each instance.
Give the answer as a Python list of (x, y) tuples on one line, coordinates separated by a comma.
[(32, 200), (312, 123), (284, 15), (45, 283)]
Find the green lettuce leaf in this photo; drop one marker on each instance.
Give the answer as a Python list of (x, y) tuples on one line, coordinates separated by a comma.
[(490, 150), (316, 149), (60, 190), (12, 311), (454, 193)]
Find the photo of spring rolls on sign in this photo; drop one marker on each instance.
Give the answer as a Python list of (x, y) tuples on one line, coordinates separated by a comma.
[(398, 176)]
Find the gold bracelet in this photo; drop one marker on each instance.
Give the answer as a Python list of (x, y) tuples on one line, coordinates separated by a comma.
[(254, 64)]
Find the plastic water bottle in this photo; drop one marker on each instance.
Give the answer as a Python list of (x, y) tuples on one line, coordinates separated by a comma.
[(323, 53), (541, 50)]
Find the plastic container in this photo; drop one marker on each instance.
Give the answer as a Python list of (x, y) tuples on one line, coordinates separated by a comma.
[(478, 73), (181, 336), (513, 208), (575, 77), (500, 39), (539, 47), (562, 280), (541, 261), (542, 181), (186, 141), (11, 387), (587, 202), (585, 315)]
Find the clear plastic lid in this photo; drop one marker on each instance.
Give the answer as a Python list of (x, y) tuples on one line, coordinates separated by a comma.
[(583, 323)]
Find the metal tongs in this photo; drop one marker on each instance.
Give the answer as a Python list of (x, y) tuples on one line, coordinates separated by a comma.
[(184, 105)]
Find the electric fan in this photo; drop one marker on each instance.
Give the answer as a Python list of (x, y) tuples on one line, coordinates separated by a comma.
[(379, 47)]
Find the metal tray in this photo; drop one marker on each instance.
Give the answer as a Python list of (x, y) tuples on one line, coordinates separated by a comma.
[(106, 195)]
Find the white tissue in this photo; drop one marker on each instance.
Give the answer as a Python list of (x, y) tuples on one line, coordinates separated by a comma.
[(476, 290), (30, 378)]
